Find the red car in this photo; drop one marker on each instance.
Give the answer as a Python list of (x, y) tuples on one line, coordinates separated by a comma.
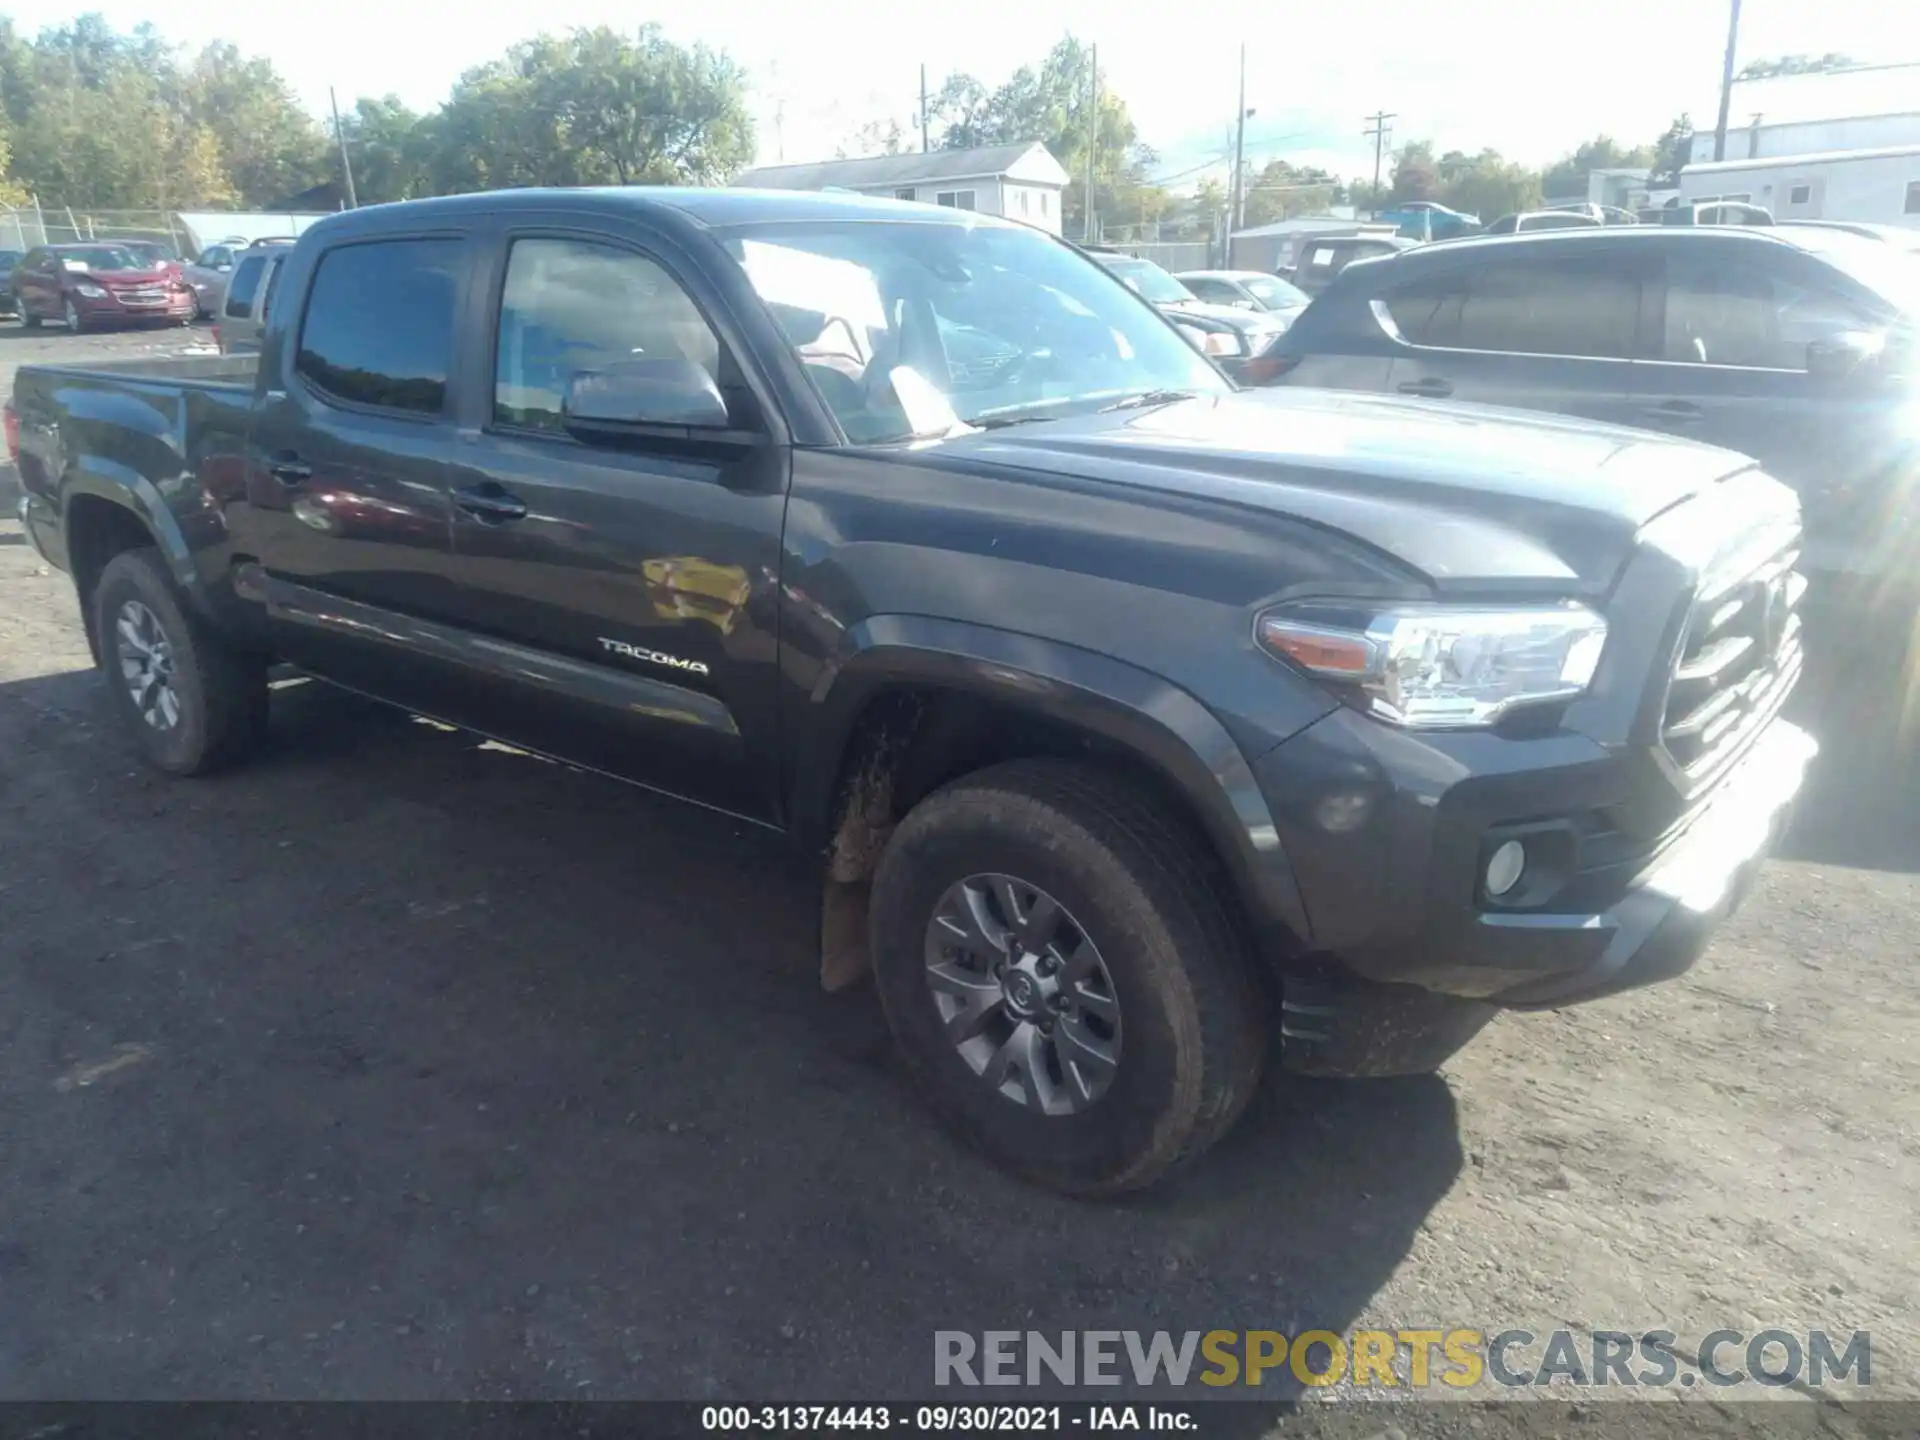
[(86, 286)]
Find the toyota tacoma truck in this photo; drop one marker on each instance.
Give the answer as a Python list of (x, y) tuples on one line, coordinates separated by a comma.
[(1143, 728)]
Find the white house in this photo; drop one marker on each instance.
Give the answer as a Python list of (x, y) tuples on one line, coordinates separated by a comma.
[(1836, 145), (1867, 108), (1021, 182), (1882, 186)]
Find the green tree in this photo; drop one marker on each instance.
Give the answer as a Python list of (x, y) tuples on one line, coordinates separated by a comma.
[(1566, 178), (876, 137), (1671, 152), (1487, 184), (1283, 190), (1795, 65), (392, 151), (269, 146), (596, 107), (1415, 175), (1054, 104)]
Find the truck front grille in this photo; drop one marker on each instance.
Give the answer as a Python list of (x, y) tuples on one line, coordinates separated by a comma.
[(1739, 658)]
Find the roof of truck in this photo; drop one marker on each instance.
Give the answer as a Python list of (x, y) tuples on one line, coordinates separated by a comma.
[(707, 206)]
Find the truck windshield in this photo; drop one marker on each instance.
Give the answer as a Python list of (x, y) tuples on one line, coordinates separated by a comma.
[(912, 330)]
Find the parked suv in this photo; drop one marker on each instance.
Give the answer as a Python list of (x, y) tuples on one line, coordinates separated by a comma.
[(1322, 259), (243, 309), (1793, 346), (1241, 341)]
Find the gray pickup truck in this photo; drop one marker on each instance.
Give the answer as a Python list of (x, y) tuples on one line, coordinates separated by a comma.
[(1139, 726)]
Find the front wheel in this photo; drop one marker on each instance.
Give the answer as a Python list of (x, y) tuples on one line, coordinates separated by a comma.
[(192, 702), (1061, 968)]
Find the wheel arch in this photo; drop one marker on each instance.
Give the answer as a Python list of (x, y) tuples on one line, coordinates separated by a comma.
[(101, 520), (912, 702)]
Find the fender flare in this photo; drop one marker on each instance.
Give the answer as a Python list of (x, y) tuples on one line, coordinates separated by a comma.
[(1163, 725), (120, 485)]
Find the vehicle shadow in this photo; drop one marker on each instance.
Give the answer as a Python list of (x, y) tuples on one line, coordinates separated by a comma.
[(1860, 697), (504, 1079)]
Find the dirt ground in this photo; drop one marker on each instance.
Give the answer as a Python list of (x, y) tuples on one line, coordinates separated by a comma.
[(398, 1065)]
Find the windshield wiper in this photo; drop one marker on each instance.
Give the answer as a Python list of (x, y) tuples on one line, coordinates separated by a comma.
[(1000, 422), (1150, 397)]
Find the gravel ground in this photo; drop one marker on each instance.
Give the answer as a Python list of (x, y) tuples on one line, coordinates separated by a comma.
[(399, 1065)]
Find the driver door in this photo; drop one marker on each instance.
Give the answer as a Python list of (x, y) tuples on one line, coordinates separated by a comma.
[(620, 591)]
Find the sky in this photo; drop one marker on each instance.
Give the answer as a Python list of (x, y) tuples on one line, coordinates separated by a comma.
[(1530, 78)]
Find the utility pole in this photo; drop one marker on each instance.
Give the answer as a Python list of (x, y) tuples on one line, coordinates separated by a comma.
[(1379, 131), (1093, 134), (926, 146), (1235, 208), (1726, 83), (346, 165)]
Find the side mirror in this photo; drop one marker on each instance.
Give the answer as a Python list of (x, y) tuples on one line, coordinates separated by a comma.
[(1845, 355), (1244, 305), (224, 266), (646, 392)]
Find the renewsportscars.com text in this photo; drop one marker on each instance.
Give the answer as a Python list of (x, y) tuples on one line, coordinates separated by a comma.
[(1457, 1359)]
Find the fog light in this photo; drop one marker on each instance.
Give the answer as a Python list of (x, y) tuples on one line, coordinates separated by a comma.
[(1505, 867)]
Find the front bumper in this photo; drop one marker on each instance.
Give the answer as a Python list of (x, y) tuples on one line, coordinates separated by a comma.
[(114, 312), (1388, 831)]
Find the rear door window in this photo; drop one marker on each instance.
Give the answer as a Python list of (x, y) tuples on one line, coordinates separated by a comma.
[(244, 286), (1578, 307), (379, 324)]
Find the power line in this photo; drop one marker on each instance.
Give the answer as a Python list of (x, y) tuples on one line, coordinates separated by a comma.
[(1378, 133)]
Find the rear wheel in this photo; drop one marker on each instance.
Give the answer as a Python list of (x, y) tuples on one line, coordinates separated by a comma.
[(191, 702), (1060, 966)]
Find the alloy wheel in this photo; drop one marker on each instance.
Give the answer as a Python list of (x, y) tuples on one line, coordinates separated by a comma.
[(1023, 994), (146, 665)]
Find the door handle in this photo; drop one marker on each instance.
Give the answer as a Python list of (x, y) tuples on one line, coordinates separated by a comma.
[(289, 469), (490, 502), (1432, 389), (1675, 412)]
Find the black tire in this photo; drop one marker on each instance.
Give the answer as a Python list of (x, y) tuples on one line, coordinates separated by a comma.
[(220, 693), (1143, 887)]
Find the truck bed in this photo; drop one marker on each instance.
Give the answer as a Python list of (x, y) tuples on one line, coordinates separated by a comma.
[(172, 371)]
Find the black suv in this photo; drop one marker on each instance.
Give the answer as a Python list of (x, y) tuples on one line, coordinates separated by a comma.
[(1793, 346)]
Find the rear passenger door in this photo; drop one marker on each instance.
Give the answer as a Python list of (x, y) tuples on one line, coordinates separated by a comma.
[(1554, 333), (624, 583), (347, 478)]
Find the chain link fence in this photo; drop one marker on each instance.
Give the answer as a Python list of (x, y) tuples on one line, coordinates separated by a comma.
[(23, 227)]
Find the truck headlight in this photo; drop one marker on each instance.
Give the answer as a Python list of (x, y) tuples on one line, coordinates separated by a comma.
[(1440, 666)]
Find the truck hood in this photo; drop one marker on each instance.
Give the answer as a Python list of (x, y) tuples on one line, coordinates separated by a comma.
[(1468, 496)]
